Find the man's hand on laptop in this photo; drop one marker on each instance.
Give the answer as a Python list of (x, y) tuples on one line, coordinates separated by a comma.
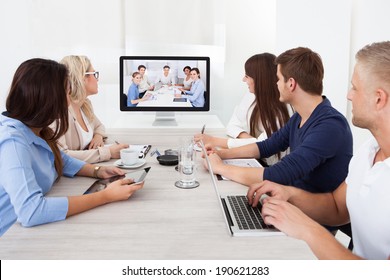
[(257, 190), (290, 219)]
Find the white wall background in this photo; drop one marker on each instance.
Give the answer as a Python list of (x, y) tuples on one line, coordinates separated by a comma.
[(323, 26), (370, 23), (227, 31)]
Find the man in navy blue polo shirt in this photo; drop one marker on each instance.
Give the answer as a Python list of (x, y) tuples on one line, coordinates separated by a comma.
[(319, 137)]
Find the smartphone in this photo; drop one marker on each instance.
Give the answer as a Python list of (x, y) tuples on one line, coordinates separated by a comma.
[(138, 176)]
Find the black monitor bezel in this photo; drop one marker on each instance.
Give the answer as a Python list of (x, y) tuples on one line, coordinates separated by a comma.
[(206, 106)]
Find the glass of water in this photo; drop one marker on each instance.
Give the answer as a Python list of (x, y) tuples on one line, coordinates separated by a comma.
[(187, 165)]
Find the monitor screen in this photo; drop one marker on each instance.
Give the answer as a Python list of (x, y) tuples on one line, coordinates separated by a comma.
[(164, 83)]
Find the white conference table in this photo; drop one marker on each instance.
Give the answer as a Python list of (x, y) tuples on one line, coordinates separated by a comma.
[(158, 222), (164, 97)]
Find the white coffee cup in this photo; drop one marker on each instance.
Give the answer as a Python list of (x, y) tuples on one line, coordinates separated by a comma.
[(129, 156)]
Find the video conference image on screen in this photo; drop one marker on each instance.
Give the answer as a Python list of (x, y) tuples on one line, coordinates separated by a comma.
[(164, 83)]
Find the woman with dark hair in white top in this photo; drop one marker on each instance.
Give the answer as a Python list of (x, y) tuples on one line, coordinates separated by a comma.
[(260, 113)]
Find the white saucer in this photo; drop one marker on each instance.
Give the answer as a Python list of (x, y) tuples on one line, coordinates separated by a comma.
[(119, 164)]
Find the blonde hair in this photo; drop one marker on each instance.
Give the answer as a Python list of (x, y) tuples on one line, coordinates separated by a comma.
[(77, 66)]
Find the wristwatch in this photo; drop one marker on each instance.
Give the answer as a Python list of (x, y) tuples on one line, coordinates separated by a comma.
[(95, 171)]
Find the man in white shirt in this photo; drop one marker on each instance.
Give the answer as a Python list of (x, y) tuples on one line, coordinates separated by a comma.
[(144, 85), (363, 198), (166, 78)]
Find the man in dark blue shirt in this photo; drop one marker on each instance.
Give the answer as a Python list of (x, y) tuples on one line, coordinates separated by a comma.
[(319, 137)]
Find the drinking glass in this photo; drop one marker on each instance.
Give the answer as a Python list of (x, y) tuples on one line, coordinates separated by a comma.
[(187, 165)]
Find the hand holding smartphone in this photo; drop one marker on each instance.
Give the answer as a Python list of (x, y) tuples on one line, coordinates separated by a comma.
[(138, 177)]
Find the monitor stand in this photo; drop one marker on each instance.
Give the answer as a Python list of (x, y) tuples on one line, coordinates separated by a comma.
[(165, 119)]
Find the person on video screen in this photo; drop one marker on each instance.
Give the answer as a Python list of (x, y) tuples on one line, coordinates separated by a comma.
[(133, 93), (196, 93), (166, 78), (144, 85)]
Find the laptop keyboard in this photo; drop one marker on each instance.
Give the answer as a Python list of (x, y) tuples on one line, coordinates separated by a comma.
[(246, 216)]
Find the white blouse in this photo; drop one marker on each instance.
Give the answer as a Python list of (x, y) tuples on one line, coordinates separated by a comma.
[(86, 136), (240, 122), (187, 84)]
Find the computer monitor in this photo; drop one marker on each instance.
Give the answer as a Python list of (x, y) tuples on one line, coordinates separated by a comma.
[(166, 79)]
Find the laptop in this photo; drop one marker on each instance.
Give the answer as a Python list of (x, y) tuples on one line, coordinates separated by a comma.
[(241, 218)]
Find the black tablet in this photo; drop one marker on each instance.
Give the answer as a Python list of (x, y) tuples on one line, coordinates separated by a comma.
[(138, 176), (179, 99)]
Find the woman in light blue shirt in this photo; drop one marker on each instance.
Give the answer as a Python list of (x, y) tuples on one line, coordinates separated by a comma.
[(196, 94), (133, 92), (31, 161)]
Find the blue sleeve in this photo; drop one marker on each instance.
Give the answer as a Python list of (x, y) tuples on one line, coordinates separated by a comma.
[(278, 142), (192, 89), (27, 180), (193, 95), (71, 165), (132, 94), (317, 146)]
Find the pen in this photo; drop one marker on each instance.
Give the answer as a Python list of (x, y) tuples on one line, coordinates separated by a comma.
[(147, 149), (116, 142), (203, 128), (155, 152)]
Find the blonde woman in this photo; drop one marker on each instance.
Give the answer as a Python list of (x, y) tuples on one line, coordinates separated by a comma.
[(85, 137)]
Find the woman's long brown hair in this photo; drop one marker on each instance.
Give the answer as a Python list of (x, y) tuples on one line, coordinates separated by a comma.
[(38, 98), (267, 108)]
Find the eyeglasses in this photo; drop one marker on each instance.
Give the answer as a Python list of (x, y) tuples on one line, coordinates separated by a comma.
[(95, 74)]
